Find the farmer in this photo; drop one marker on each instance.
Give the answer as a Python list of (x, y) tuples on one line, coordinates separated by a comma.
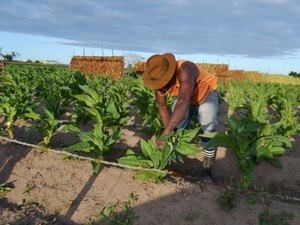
[(195, 92)]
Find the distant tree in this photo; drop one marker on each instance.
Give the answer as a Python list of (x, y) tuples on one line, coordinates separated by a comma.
[(9, 56), (294, 74), (131, 59)]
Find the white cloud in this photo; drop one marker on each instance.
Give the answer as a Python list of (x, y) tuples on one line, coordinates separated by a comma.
[(257, 28)]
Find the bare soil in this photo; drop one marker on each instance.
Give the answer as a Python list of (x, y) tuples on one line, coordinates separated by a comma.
[(49, 189)]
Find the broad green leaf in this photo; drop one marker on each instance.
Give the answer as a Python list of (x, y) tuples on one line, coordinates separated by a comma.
[(156, 159), (277, 150), (187, 149), (94, 112), (111, 108), (165, 157), (97, 167), (133, 160), (146, 148), (90, 92), (71, 128), (32, 115), (275, 162), (82, 146), (188, 135), (209, 135), (147, 175), (86, 99), (233, 124), (86, 136)]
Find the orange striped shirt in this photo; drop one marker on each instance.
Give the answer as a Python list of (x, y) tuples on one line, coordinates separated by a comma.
[(205, 83)]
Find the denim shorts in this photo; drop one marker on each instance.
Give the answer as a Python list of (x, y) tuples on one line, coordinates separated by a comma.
[(207, 115)]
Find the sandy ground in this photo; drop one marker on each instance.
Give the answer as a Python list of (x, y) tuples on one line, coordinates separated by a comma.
[(47, 189)]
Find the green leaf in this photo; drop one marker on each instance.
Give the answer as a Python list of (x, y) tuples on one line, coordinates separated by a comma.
[(86, 136), (111, 108), (90, 92), (209, 135), (146, 148), (156, 159), (94, 112), (71, 128), (233, 124), (130, 160), (32, 115), (82, 146), (188, 135), (133, 160), (96, 167), (275, 162), (187, 149), (167, 137), (277, 150), (85, 98), (165, 156), (149, 175)]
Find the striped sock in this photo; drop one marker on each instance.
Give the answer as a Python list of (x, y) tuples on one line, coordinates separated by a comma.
[(209, 153)]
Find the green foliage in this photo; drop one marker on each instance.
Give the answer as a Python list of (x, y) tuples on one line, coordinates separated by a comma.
[(235, 98), (252, 138), (4, 188), (222, 89), (145, 101), (47, 125), (294, 74), (98, 143), (175, 144), (227, 201), (111, 214), (109, 107), (16, 101), (266, 218)]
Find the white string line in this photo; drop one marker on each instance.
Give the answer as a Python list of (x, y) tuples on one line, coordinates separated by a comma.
[(62, 152)]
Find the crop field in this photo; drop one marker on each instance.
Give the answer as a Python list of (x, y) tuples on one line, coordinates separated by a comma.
[(77, 149)]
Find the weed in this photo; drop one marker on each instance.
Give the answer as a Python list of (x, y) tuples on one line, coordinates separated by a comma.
[(112, 216), (28, 189), (266, 218), (192, 217), (252, 199), (227, 201), (4, 188)]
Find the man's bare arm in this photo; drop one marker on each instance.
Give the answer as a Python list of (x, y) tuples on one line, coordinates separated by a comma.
[(187, 76), (162, 109)]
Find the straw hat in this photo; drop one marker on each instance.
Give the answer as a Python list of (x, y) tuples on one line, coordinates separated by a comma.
[(159, 70)]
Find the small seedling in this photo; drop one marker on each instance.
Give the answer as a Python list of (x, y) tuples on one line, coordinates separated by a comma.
[(119, 213), (266, 218), (227, 201), (4, 188)]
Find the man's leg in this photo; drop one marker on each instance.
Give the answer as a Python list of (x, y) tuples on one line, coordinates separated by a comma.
[(207, 117)]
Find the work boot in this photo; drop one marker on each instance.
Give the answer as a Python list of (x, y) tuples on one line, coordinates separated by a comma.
[(206, 175)]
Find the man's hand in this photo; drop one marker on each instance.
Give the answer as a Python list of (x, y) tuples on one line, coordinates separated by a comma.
[(158, 142)]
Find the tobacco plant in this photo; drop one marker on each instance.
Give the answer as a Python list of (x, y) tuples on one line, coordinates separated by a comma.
[(47, 125), (110, 110), (16, 101), (147, 109), (97, 143), (251, 136), (175, 144)]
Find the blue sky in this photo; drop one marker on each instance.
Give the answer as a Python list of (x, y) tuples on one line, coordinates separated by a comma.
[(261, 35)]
